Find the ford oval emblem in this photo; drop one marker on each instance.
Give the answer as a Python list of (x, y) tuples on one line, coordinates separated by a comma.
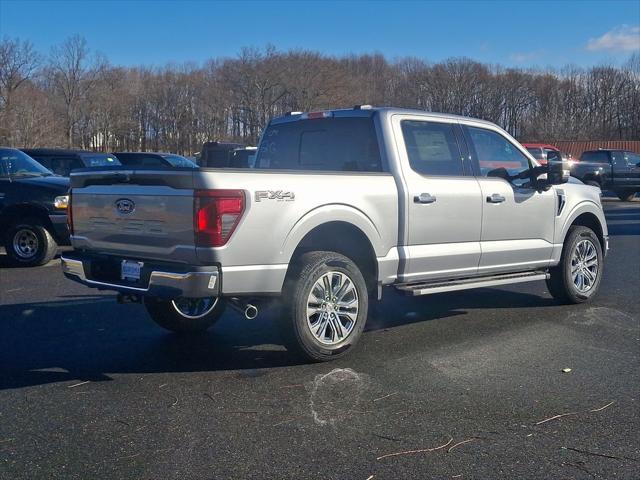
[(125, 206)]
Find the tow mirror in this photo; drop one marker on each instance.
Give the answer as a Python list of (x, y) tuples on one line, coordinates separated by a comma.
[(558, 170)]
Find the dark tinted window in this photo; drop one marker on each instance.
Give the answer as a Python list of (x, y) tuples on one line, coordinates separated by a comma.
[(632, 159), (64, 165), (178, 161), (595, 157), (136, 159), (99, 160), (497, 156), (432, 148), (330, 144)]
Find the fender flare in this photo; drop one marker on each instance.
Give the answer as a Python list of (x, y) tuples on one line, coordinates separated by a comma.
[(329, 213), (586, 206)]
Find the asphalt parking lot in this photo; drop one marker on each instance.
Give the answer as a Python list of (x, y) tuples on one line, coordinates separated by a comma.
[(460, 385)]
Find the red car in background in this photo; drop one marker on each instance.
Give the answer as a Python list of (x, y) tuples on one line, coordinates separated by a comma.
[(540, 150)]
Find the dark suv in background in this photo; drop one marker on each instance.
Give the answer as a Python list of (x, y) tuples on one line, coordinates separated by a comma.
[(615, 170), (61, 161)]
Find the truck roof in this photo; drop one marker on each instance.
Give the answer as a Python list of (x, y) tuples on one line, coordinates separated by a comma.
[(57, 151), (368, 111)]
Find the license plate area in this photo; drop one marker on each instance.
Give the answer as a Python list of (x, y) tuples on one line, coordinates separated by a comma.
[(130, 270)]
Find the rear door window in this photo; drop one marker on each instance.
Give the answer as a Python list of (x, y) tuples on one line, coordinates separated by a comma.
[(432, 148), (328, 144), (632, 159)]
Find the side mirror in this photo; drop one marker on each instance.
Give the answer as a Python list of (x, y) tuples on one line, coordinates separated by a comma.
[(558, 170)]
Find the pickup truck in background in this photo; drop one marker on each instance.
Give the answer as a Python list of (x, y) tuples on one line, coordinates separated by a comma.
[(33, 209), (615, 170), (339, 205)]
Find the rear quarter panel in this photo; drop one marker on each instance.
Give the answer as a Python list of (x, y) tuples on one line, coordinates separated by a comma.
[(271, 228)]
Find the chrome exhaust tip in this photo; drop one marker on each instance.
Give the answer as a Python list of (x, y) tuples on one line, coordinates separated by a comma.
[(249, 310)]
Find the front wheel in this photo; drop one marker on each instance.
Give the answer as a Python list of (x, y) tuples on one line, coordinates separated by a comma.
[(326, 302), (577, 277), (28, 243), (184, 315), (625, 195)]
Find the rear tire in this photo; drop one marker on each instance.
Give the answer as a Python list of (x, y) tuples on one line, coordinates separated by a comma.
[(325, 302), (184, 315), (29, 244), (625, 195), (577, 277)]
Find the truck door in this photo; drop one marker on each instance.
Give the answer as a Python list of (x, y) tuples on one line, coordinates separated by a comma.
[(442, 200), (626, 170), (633, 163), (517, 220)]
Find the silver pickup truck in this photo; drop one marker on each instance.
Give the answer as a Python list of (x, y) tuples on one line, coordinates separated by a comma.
[(340, 204)]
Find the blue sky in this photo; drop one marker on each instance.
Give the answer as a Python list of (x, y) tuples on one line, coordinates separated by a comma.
[(524, 34)]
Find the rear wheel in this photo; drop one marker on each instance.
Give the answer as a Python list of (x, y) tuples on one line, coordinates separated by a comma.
[(184, 315), (326, 302), (577, 277), (28, 243), (625, 195)]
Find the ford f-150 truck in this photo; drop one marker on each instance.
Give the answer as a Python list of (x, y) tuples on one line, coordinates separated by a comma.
[(340, 204), (615, 170)]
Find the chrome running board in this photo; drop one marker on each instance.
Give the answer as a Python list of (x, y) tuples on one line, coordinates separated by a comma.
[(426, 288)]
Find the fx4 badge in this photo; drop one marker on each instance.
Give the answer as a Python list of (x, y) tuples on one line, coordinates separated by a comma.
[(279, 195)]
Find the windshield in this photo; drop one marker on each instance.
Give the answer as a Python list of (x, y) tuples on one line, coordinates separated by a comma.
[(100, 160), (16, 163), (179, 161)]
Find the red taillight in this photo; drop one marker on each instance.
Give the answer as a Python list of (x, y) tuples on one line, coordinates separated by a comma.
[(70, 213), (216, 215)]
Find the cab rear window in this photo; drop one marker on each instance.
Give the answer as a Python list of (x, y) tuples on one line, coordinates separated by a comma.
[(595, 157), (327, 144), (100, 160)]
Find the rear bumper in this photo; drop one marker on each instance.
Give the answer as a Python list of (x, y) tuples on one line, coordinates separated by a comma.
[(157, 280)]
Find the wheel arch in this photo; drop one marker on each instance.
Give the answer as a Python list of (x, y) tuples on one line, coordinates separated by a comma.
[(15, 212), (588, 215), (341, 229)]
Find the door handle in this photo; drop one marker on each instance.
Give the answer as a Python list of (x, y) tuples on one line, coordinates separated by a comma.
[(424, 198), (496, 198)]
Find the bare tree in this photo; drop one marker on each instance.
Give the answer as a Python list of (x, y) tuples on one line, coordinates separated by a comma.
[(72, 75), (76, 99), (18, 62)]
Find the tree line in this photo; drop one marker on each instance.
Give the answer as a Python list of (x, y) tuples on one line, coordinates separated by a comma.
[(75, 98)]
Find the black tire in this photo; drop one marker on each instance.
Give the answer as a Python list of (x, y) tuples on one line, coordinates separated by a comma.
[(561, 284), (625, 195), (593, 183), (29, 244), (166, 314), (294, 325)]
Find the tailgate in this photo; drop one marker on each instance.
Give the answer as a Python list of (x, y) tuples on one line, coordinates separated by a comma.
[(135, 214)]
